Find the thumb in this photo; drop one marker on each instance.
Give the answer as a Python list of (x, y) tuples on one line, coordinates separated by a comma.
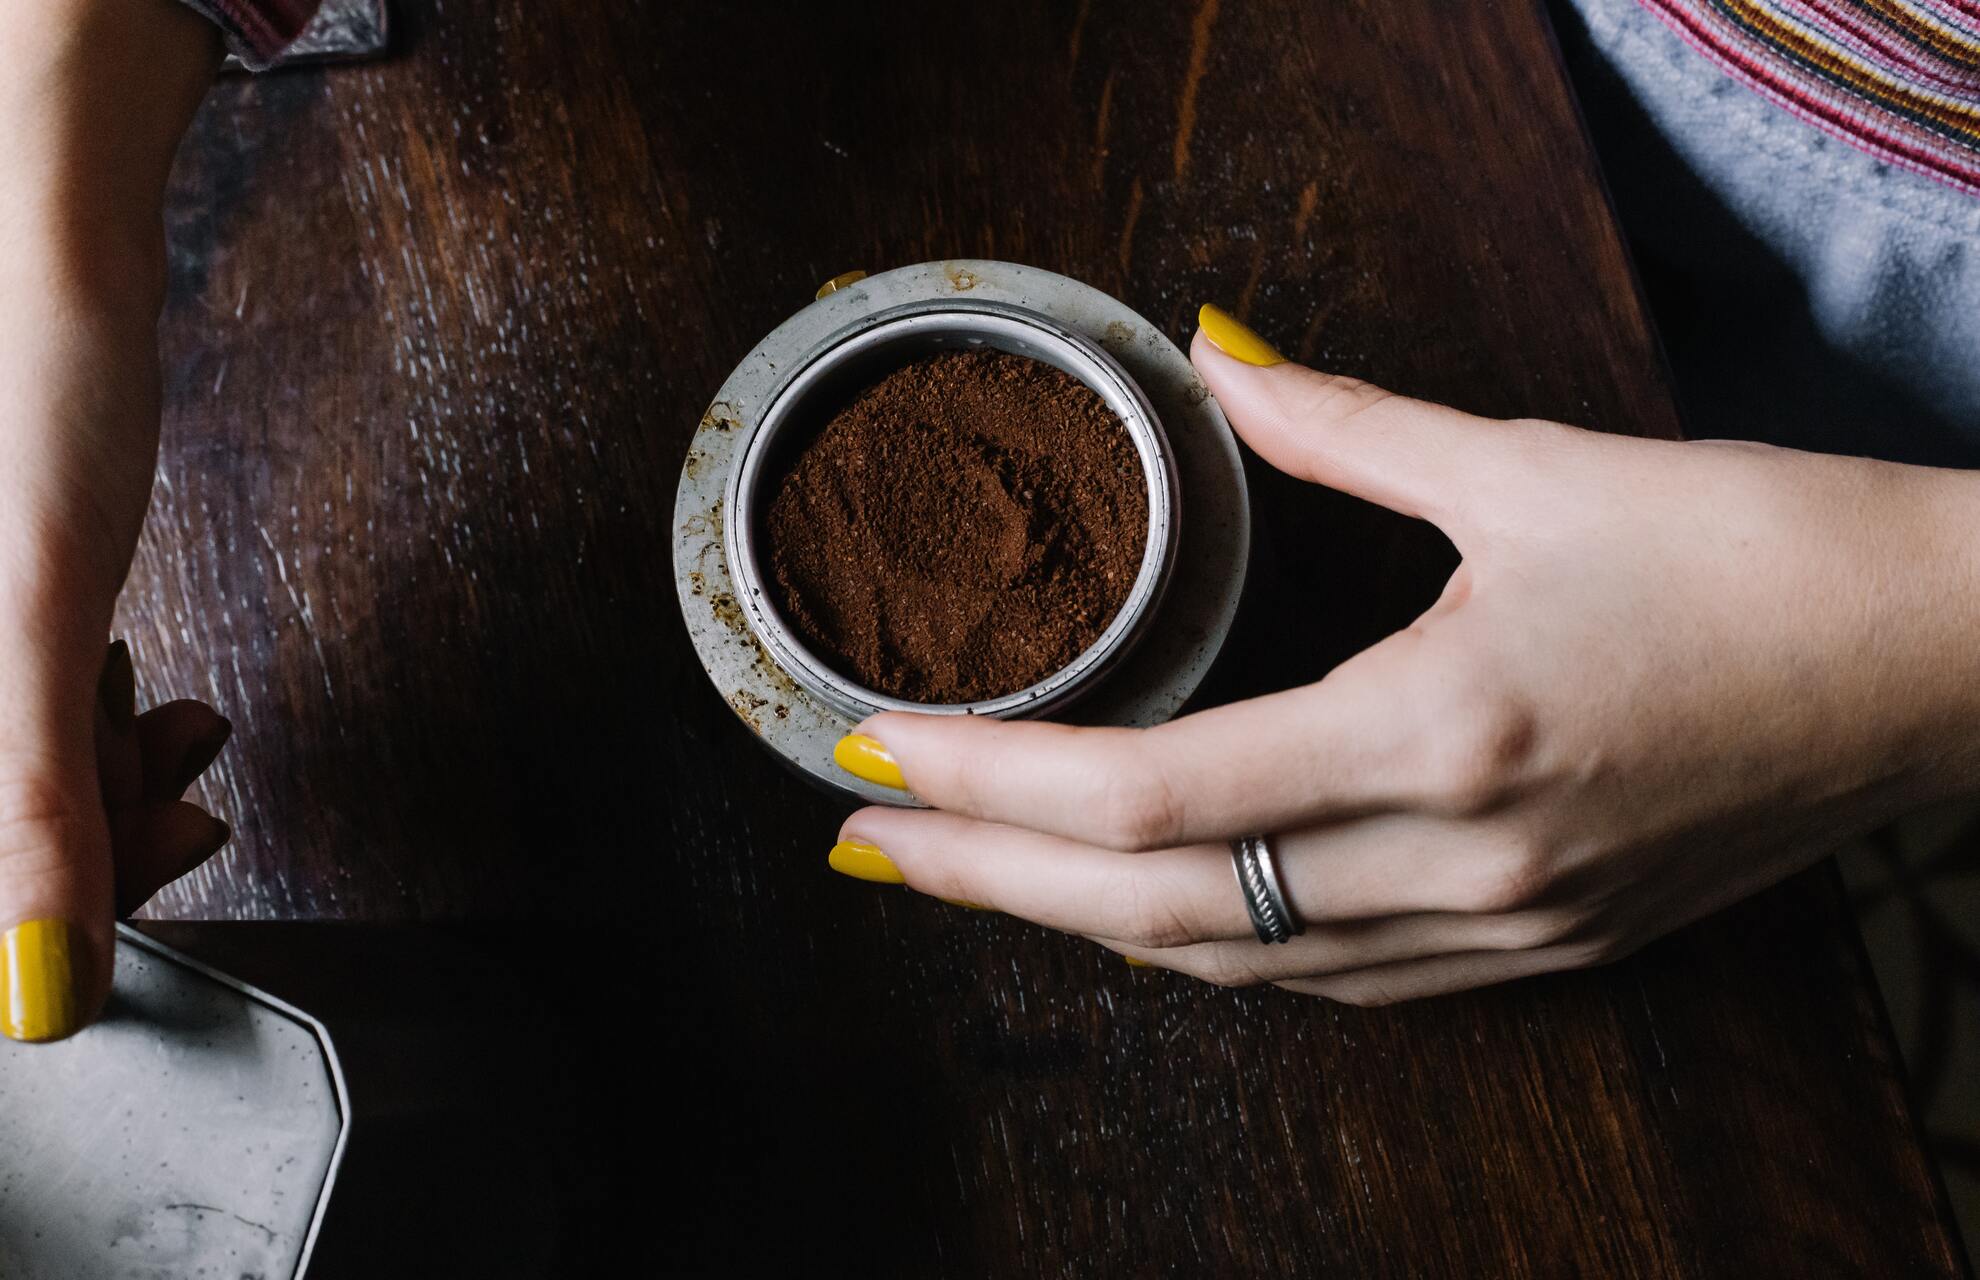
[(55, 870), (1411, 456)]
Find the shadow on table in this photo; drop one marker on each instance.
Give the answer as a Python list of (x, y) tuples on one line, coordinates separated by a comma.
[(548, 1102)]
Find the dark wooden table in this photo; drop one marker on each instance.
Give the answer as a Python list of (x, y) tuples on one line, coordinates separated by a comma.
[(439, 331)]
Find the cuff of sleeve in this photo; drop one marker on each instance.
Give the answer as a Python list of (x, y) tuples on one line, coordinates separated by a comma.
[(258, 30)]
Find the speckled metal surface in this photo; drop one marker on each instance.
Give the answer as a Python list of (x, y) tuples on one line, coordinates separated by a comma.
[(195, 1130), (1189, 630)]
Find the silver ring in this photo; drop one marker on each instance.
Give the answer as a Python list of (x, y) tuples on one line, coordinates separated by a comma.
[(1264, 897)]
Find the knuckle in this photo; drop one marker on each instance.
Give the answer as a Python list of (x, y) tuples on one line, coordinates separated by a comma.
[(1482, 752), (1508, 879), (958, 782), (1338, 398), (1144, 916), (1136, 808), (1538, 930), (38, 820), (1225, 970)]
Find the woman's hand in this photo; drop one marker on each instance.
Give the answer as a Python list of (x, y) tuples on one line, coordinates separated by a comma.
[(1665, 676), (94, 99)]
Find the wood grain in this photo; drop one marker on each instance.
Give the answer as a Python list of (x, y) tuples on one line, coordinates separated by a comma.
[(439, 331)]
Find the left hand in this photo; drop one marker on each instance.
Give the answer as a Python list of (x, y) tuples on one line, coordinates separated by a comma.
[(96, 96), (1665, 676)]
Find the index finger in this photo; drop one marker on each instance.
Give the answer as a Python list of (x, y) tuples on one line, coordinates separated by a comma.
[(1336, 749)]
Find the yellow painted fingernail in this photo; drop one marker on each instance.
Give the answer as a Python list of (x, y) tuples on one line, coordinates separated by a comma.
[(838, 282), (37, 975), (967, 906), (1234, 338), (864, 757), (863, 861), (1137, 962)]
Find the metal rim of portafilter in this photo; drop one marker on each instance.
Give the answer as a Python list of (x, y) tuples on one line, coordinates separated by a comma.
[(1156, 651)]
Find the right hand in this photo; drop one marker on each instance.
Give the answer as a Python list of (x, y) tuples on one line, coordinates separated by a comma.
[(1664, 676)]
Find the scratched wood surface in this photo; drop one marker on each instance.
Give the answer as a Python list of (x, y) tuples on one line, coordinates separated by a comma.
[(439, 331)]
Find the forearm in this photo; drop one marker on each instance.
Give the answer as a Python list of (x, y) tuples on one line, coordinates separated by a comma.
[(97, 95)]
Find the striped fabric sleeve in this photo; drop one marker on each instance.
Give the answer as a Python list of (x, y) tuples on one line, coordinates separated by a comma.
[(258, 30), (1898, 78)]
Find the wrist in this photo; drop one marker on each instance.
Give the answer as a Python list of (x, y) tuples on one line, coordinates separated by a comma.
[(1946, 601)]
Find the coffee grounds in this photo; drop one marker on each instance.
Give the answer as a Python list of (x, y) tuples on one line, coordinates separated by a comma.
[(963, 528)]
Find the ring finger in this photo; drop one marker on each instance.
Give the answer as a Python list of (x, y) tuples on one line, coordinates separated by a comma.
[(1360, 870)]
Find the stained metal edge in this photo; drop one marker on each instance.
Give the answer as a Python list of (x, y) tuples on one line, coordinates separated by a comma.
[(172, 955), (1153, 361)]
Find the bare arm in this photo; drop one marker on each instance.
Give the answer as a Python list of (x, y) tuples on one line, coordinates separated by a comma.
[(96, 98)]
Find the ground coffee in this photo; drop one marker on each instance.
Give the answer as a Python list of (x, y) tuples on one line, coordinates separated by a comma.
[(962, 529)]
